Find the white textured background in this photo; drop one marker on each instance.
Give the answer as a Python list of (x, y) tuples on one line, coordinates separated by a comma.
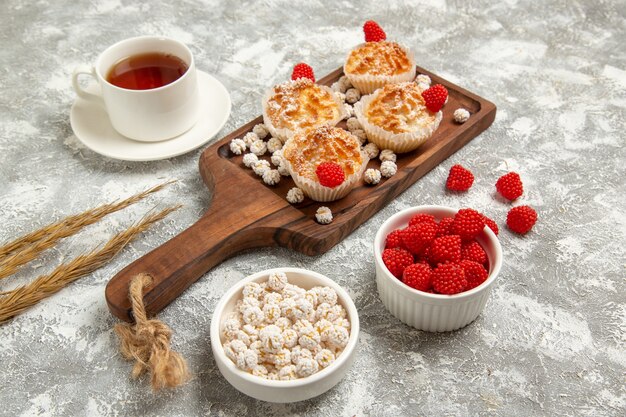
[(551, 340)]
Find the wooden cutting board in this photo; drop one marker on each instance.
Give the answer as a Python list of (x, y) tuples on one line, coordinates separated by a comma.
[(245, 213)]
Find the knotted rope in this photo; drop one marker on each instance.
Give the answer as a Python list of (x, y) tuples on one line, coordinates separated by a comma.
[(148, 343)]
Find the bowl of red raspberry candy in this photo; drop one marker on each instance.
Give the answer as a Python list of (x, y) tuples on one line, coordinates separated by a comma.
[(435, 266)]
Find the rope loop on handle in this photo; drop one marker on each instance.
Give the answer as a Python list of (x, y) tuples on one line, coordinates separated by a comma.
[(147, 342)]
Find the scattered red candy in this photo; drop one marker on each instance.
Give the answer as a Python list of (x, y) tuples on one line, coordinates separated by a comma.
[(449, 279), (418, 276), (510, 186), (396, 260), (373, 32), (330, 174), (468, 223), (459, 179), (521, 219), (417, 237), (472, 251), (435, 97), (302, 70), (421, 218), (475, 273), (445, 249)]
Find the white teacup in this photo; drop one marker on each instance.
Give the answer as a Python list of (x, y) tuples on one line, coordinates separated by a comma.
[(145, 115)]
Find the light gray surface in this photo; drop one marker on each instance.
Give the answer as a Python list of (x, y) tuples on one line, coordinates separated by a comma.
[(552, 337)]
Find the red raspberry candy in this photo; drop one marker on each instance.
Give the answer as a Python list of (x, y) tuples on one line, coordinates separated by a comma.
[(449, 279), (510, 186), (394, 240), (424, 257), (444, 227), (330, 174), (422, 217), (475, 273), (435, 97), (445, 249), (302, 70), (373, 32), (459, 179), (396, 260), (492, 225), (418, 276), (521, 219), (468, 223), (423, 261), (472, 251), (418, 237)]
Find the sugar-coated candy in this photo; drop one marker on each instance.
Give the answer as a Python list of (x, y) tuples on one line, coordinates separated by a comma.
[(271, 338), (360, 135), (287, 372), (371, 150), (243, 336), (287, 306), (251, 331), (283, 323), (249, 138), (250, 159), (237, 146), (387, 155), (277, 281), (252, 289), (271, 177), (388, 169), (324, 358), (295, 195), (339, 338), (372, 176), (271, 312), (311, 296), (290, 337), (231, 327), (260, 166), (277, 157), (274, 145), (260, 370), (306, 367), (253, 315), (282, 170), (302, 310), (291, 290), (327, 295), (260, 130), (353, 95), (272, 298), (353, 124), (258, 147), (298, 352), (281, 358)]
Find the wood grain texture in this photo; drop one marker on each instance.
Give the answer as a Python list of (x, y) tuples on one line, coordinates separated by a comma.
[(245, 213)]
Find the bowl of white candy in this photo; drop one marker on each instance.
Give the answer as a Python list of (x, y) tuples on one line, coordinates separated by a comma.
[(284, 335)]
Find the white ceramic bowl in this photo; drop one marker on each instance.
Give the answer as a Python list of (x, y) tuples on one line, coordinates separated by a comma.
[(293, 390), (422, 310)]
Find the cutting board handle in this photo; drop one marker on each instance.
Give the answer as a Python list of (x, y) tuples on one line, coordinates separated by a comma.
[(178, 263)]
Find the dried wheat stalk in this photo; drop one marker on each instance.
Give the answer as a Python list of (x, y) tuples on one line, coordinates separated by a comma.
[(26, 248), (15, 301)]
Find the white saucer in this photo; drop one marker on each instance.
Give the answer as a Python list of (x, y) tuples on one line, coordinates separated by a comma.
[(92, 126)]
